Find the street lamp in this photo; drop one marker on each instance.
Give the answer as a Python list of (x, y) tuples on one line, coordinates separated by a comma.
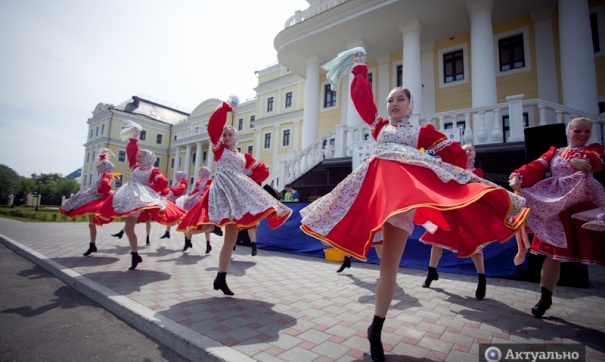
[(38, 196), (14, 190)]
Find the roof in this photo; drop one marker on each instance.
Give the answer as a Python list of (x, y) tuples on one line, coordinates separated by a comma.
[(153, 110)]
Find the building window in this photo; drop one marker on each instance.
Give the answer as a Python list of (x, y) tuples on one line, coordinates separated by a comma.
[(143, 135), (459, 124), (204, 156), (85, 177), (172, 163), (329, 97), (267, 140), (240, 124), (157, 162), (90, 133), (239, 149), (286, 138), (270, 104), (97, 131), (594, 28), (103, 129), (288, 100), (121, 156), (158, 139), (506, 125), (250, 149), (512, 52), (399, 75), (601, 107), (88, 157), (193, 158), (453, 66), (119, 181)]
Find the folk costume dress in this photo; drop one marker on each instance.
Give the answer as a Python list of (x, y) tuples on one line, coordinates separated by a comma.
[(399, 179), (555, 199), (178, 189), (141, 194), (234, 195), (89, 200), (201, 186)]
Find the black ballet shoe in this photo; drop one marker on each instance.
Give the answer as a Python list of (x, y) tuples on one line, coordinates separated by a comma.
[(432, 275), (166, 235), (208, 247), (346, 263), (92, 248), (147, 241), (136, 259), (480, 292), (221, 283), (187, 244), (543, 304), (234, 247), (374, 336), (253, 249), (119, 234), (217, 231)]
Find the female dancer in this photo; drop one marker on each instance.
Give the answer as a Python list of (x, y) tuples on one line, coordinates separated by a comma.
[(201, 185), (400, 185), (570, 190), (138, 196), (88, 201), (233, 199), (442, 239), (174, 193)]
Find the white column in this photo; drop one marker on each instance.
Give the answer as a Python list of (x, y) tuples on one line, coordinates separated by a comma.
[(198, 160), (210, 158), (546, 67), (428, 78), (578, 74), (483, 59), (411, 70), (382, 87), (187, 166), (312, 99), (177, 160)]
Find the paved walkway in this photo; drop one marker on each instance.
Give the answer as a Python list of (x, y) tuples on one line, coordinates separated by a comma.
[(293, 308)]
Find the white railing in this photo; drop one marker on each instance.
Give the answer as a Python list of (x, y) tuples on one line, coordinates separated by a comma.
[(319, 7), (480, 128)]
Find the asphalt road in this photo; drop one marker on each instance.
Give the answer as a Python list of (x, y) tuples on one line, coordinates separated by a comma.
[(43, 319)]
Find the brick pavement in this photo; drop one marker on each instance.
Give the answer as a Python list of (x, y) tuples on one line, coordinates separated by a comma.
[(295, 308)]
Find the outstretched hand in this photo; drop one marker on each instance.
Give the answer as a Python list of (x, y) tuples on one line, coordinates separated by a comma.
[(515, 183), (359, 58)]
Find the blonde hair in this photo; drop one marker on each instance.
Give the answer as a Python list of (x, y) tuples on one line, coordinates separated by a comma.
[(577, 120)]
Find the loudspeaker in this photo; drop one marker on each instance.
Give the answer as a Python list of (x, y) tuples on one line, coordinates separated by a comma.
[(539, 139)]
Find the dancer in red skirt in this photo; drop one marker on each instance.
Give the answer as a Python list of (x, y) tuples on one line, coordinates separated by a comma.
[(562, 204), (174, 193), (139, 196), (234, 199), (401, 185), (88, 201)]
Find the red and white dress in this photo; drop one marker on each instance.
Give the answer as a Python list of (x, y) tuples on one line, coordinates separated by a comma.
[(194, 196), (88, 201), (400, 182), (554, 199), (177, 190), (233, 197), (141, 194)]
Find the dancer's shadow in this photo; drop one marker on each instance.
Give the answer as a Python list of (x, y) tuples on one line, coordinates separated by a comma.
[(232, 321), (64, 300), (83, 261), (184, 259), (127, 281), (404, 301), (525, 325), (163, 251), (237, 267), (119, 250), (35, 272)]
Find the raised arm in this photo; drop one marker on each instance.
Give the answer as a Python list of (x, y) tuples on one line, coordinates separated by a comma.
[(363, 99), (131, 152)]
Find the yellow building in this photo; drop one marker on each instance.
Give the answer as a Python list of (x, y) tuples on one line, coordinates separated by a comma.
[(481, 71)]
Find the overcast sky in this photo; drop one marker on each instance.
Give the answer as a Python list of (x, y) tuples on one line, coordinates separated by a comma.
[(60, 58)]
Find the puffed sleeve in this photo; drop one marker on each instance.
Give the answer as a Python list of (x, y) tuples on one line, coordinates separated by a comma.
[(179, 188), (105, 185), (131, 152), (478, 172), (594, 153), (363, 99), (216, 123), (449, 151), (157, 181), (535, 170), (259, 170)]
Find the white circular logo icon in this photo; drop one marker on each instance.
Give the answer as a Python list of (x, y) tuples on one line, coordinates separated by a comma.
[(493, 354)]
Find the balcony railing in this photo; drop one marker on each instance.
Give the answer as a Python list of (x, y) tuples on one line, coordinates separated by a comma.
[(319, 7)]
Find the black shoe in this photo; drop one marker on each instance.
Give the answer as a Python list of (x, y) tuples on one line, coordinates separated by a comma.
[(166, 235), (208, 247), (136, 259), (221, 283), (430, 277), (187, 244), (147, 241), (374, 332), (345, 264), (92, 248), (543, 304), (480, 292), (119, 234), (253, 249), (217, 231)]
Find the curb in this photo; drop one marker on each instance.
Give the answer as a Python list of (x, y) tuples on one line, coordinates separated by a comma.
[(182, 340)]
